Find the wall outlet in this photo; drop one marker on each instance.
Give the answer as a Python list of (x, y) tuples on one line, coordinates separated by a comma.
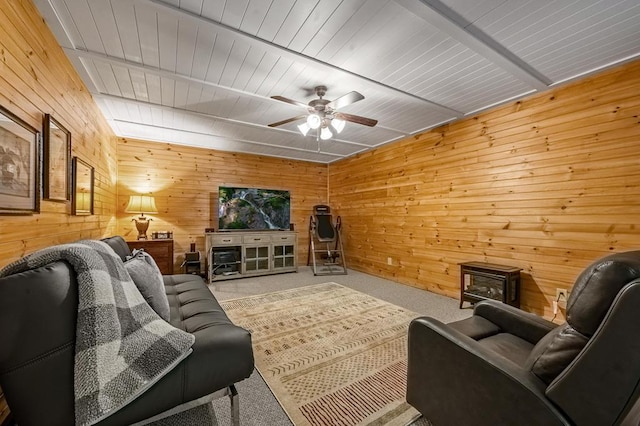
[(389, 261), (562, 295)]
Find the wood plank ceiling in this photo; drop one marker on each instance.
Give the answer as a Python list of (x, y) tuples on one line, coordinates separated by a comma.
[(202, 72)]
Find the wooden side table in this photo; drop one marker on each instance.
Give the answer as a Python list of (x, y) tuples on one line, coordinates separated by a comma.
[(160, 250)]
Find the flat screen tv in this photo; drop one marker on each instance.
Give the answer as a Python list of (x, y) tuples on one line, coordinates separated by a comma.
[(253, 209)]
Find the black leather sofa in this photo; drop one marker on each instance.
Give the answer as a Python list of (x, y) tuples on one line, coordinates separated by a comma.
[(38, 311)]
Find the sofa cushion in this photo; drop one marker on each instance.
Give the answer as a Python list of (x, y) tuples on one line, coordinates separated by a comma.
[(119, 245), (554, 352), (146, 275), (508, 346), (38, 312), (475, 327), (195, 310)]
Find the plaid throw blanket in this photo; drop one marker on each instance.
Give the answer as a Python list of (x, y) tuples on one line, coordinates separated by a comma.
[(122, 345)]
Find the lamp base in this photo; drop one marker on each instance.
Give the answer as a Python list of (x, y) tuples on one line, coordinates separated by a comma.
[(142, 224)]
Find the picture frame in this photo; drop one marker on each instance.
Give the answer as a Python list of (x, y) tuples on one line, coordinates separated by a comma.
[(56, 176), (82, 192), (20, 151), (162, 235)]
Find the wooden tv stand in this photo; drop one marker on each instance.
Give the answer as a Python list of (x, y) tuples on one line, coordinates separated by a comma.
[(240, 254)]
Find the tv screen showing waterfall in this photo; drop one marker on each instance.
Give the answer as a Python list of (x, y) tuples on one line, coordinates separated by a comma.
[(253, 208)]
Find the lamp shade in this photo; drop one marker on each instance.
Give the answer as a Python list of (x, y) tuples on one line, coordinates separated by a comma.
[(338, 124), (141, 204), (314, 121), (325, 133), (304, 128)]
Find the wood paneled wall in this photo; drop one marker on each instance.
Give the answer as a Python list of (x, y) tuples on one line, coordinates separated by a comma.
[(549, 184), (184, 181), (37, 78)]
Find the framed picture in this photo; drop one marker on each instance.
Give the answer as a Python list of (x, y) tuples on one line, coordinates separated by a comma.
[(162, 235), (82, 192), (19, 165), (57, 161)]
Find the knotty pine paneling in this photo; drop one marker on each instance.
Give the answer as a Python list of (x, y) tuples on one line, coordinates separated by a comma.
[(37, 78), (549, 184), (185, 180)]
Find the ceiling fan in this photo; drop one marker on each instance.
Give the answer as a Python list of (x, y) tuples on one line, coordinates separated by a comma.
[(323, 114)]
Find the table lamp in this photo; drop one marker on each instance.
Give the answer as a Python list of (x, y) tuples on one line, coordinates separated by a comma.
[(141, 204)]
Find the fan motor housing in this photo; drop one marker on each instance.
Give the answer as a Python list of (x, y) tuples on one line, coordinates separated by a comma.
[(319, 104)]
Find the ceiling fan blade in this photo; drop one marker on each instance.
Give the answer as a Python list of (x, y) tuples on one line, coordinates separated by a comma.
[(356, 119), (345, 100), (288, 120), (290, 101)]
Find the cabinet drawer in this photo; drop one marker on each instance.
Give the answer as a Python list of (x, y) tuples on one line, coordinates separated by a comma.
[(277, 239), (221, 240), (252, 239)]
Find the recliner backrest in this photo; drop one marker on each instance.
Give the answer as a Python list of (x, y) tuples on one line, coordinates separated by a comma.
[(602, 383), (590, 361), (591, 297), (597, 287)]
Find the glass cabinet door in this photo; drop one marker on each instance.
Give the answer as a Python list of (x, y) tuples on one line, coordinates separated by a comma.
[(284, 256), (256, 259)]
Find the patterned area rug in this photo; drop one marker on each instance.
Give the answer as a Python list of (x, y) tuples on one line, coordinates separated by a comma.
[(331, 355)]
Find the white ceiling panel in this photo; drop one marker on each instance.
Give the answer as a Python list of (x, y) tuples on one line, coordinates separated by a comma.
[(203, 72), (557, 38)]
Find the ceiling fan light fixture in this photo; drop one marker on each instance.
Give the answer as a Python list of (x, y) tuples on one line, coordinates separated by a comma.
[(338, 124), (322, 115), (304, 128), (314, 121), (325, 134)]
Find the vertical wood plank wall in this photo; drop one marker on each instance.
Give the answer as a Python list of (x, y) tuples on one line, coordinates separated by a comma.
[(549, 184), (37, 78), (184, 181)]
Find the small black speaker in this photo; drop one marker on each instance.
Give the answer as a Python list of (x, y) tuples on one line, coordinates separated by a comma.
[(291, 226), (193, 247)]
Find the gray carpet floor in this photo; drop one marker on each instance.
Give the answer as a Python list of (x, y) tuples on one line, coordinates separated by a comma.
[(258, 406)]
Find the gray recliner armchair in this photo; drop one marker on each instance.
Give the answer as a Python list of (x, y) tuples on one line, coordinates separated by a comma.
[(503, 366)]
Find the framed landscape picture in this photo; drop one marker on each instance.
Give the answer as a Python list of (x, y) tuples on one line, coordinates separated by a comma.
[(19, 165), (57, 161)]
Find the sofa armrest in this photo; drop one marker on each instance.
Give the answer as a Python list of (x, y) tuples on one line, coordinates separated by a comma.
[(525, 325), (451, 379)]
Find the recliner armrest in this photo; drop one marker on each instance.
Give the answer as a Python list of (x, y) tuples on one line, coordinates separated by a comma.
[(525, 325), (451, 379)]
